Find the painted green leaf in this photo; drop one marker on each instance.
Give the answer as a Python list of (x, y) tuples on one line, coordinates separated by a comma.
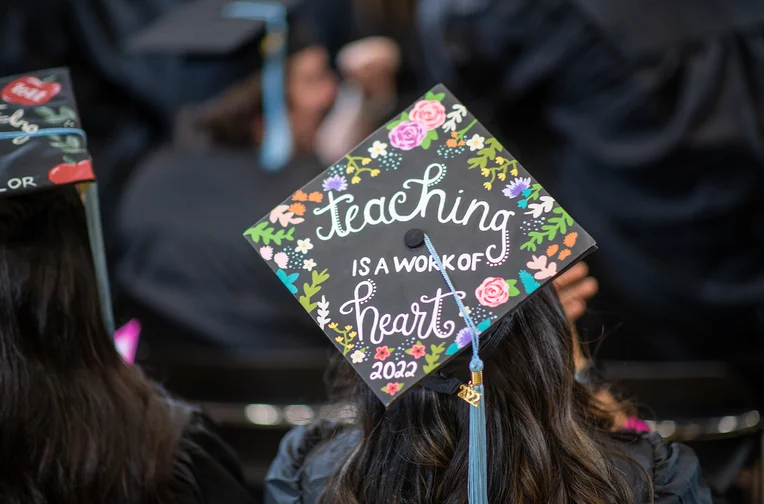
[(393, 124), (495, 144), (45, 111), (513, 290), (68, 112), (431, 136)]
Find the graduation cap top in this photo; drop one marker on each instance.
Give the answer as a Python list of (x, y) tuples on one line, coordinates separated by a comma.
[(214, 27), (41, 143), (42, 146), (208, 27), (350, 245)]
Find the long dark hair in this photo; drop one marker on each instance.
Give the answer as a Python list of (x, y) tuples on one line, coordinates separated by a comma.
[(77, 425), (547, 437)]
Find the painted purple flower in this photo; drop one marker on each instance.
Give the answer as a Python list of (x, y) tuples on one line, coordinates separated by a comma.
[(464, 338), (407, 135), (335, 183), (516, 187)]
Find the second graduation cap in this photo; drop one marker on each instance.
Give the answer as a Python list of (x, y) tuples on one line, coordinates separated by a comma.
[(350, 245)]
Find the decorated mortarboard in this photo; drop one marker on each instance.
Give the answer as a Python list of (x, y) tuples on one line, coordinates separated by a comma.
[(215, 27), (415, 243), (42, 146)]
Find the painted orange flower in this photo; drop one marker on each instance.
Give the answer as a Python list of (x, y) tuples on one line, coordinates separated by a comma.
[(564, 254), (462, 143), (451, 143), (570, 239), (454, 134), (297, 209), (300, 196), (552, 250), (316, 197)]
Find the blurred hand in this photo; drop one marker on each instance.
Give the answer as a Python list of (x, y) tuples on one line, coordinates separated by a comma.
[(372, 64), (574, 288)]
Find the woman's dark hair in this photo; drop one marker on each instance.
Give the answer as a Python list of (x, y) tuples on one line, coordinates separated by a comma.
[(548, 439), (77, 425)]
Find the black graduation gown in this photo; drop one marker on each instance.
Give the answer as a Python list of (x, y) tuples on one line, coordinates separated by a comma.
[(182, 251), (210, 473), (300, 471)]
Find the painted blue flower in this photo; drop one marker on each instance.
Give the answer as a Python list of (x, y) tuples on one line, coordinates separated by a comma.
[(523, 203), (527, 192), (335, 183), (288, 280), (517, 187)]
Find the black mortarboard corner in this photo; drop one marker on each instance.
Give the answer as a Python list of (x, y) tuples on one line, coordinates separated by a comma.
[(42, 146), (416, 242), (213, 27)]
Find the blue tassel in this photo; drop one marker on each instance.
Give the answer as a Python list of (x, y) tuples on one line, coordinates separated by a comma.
[(477, 481)]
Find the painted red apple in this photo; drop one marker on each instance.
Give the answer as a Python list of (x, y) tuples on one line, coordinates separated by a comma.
[(30, 91), (68, 173)]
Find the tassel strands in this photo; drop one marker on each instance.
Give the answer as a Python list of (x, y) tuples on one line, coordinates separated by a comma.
[(478, 464), (474, 394)]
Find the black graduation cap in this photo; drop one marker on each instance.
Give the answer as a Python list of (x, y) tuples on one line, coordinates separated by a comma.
[(42, 146), (217, 27), (198, 27), (350, 245)]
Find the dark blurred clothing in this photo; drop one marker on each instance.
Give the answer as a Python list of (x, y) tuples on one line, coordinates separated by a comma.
[(182, 252), (211, 472), (658, 143)]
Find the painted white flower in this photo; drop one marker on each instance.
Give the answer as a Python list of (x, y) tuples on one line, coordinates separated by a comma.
[(357, 357), (303, 245), (281, 260), (466, 309), (476, 142), (536, 209), (378, 149), (309, 264), (266, 253)]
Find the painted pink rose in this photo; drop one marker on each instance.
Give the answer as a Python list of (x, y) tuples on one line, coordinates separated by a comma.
[(493, 292), (429, 113), (407, 135)]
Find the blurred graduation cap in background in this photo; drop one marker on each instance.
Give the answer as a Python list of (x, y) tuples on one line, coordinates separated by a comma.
[(219, 27)]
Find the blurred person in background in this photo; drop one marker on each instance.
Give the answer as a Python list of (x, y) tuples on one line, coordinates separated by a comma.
[(187, 270), (646, 121), (655, 119), (79, 425)]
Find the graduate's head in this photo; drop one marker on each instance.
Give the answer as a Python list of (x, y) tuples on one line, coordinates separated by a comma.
[(235, 118), (432, 255), (540, 425), (48, 293)]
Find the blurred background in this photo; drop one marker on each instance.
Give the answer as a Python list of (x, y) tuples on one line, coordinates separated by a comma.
[(644, 119)]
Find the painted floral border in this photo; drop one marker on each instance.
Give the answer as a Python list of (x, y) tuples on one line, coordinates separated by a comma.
[(426, 125)]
